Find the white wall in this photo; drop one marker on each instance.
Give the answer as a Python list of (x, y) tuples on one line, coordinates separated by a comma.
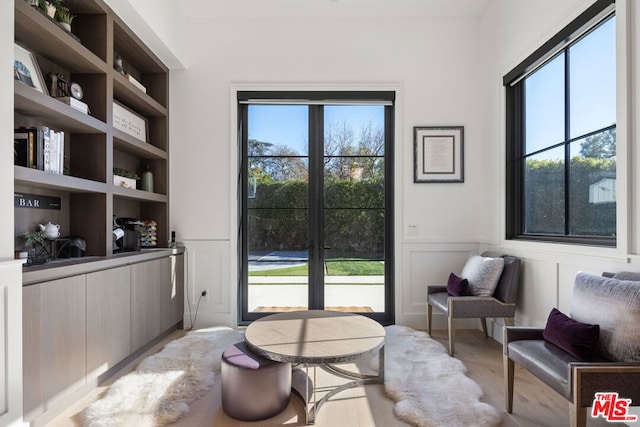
[(434, 61)]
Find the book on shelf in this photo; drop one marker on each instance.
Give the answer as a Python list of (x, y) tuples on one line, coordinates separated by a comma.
[(135, 82), (40, 148), (74, 103)]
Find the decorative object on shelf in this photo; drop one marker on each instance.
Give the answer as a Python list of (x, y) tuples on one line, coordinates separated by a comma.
[(35, 201), (124, 178), (148, 234), (26, 70), (51, 231), (129, 122), (438, 154), (70, 93), (146, 183), (135, 82), (117, 63), (49, 7), (64, 17), (36, 244)]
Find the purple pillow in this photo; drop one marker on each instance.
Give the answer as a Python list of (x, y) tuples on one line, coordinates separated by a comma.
[(457, 286), (576, 338)]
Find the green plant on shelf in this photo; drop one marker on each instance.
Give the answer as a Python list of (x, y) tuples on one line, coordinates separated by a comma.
[(64, 16), (31, 238), (125, 173)]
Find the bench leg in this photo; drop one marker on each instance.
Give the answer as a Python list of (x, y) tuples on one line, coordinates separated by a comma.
[(452, 335), (429, 317), (483, 323), (508, 367), (578, 415)]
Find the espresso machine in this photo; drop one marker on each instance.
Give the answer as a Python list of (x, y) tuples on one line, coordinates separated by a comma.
[(126, 234)]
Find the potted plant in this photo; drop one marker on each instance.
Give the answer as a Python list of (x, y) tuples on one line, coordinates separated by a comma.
[(31, 240), (125, 178), (64, 17)]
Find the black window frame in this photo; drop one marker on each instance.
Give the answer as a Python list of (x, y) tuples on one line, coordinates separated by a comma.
[(315, 99), (513, 82)]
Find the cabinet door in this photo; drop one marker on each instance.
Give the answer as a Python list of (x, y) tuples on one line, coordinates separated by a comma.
[(173, 292), (108, 319), (146, 292), (54, 334)]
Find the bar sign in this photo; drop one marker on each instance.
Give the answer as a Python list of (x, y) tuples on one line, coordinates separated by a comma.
[(35, 201)]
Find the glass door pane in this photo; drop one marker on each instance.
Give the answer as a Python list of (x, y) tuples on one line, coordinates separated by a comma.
[(277, 208), (354, 208)]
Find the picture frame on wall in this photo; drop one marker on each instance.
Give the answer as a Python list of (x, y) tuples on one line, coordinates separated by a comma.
[(438, 154), (26, 70)]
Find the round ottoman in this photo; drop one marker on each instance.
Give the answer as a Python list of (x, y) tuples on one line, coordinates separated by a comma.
[(253, 387)]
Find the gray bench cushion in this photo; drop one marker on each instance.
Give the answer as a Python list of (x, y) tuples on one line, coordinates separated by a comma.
[(615, 306), (546, 361)]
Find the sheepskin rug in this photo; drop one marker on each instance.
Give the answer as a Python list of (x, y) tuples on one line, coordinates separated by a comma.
[(430, 387), (163, 385)]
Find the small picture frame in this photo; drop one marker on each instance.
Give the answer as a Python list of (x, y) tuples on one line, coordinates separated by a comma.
[(26, 70), (438, 154)]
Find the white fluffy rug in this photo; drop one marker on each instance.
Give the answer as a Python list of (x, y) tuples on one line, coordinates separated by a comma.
[(430, 387), (163, 385)]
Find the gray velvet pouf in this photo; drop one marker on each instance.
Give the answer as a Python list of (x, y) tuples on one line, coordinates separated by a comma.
[(253, 388)]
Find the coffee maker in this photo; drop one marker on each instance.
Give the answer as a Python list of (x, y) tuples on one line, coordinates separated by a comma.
[(126, 234)]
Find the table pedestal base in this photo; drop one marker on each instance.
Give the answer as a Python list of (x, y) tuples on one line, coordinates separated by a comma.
[(306, 389)]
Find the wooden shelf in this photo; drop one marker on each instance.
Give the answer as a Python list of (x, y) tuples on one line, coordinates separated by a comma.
[(139, 195), (30, 102), (125, 92), (125, 142), (39, 179), (40, 35)]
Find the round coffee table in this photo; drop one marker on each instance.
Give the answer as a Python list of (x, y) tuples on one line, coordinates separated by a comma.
[(317, 338)]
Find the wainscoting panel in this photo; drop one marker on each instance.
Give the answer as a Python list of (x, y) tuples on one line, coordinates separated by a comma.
[(538, 292), (207, 269)]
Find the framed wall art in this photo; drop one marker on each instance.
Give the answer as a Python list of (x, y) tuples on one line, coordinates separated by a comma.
[(26, 70), (438, 154)]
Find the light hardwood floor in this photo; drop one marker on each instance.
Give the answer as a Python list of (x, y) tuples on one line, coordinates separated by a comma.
[(534, 403)]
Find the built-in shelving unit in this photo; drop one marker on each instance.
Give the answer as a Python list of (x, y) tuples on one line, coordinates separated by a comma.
[(93, 145)]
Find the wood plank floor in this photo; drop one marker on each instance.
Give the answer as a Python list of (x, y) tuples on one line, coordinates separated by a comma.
[(535, 405)]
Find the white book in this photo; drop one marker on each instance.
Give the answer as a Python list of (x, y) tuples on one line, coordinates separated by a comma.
[(75, 103), (53, 151), (61, 153), (46, 166)]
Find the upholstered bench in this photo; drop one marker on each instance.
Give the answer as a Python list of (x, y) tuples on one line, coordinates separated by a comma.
[(569, 357), (253, 387)]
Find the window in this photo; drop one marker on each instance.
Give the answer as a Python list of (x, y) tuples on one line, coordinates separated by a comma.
[(561, 136)]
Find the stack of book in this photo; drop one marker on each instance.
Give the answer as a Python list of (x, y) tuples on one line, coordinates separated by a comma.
[(39, 148)]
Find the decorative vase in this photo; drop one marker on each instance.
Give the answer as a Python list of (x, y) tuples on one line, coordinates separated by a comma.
[(146, 181), (66, 26)]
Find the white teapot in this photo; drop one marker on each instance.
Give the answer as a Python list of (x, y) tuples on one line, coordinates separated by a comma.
[(52, 231)]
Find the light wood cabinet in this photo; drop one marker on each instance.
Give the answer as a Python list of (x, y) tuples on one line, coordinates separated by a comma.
[(172, 302), (75, 329), (54, 336), (146, 294), (108, 319)]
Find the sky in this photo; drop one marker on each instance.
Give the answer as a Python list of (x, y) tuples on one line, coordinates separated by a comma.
[(592, 91), (288, 124)]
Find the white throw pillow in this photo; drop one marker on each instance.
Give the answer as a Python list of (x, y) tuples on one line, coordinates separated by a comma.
[(483, 274)]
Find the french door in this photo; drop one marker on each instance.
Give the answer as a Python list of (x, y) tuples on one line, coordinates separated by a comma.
[(316, 203)]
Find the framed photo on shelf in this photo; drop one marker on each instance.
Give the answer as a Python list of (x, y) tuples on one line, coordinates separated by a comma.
[(438, 154), (26, 70)]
